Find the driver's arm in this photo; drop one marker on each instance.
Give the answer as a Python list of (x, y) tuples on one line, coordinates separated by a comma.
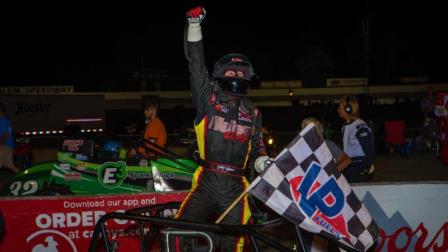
[(258, 149), (194, 53)]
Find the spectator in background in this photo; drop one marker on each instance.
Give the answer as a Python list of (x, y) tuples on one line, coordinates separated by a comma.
[(6, 142), (155, 129), (341, 159), (357, 141), (428, 103)]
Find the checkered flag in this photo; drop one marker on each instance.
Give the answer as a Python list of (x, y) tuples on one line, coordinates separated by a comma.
[(304, 186)]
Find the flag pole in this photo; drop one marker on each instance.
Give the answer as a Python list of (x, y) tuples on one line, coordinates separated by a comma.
[(299, 239), (224, 214)]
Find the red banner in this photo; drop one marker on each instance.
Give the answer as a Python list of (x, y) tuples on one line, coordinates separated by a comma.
[(66, 223)]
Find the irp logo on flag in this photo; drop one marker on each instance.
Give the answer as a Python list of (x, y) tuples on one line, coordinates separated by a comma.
[(323, 203), (304, 186)]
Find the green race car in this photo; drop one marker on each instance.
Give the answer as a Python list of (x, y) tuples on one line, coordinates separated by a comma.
[(80, 170)]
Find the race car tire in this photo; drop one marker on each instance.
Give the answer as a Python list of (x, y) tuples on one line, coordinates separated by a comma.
[(53, 190)]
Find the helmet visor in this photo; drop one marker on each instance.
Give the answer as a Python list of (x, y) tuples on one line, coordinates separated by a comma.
[(234, 85)]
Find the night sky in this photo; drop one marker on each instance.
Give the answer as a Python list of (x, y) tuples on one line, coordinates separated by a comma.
[(100, 48)]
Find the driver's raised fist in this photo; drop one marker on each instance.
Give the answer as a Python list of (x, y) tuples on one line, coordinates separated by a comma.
[(196, 15)]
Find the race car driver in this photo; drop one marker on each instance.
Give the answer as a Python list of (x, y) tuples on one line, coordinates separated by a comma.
[(228, 133)]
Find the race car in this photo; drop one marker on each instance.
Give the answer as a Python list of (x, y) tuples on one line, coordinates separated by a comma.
[(83, 169)]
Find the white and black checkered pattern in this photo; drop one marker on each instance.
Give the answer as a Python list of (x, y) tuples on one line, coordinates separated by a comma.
[(273, 188)]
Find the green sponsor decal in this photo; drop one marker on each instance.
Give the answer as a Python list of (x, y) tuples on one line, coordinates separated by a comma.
[(112, 174)]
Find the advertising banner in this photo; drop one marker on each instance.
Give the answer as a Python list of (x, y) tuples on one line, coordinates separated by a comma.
[(66, 223), (412, 216)]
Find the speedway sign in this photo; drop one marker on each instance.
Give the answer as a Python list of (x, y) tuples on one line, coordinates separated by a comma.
[(37, 90), (67, 223)]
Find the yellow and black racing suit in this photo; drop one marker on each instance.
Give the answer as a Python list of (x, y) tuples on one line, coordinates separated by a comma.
[(228, 133)]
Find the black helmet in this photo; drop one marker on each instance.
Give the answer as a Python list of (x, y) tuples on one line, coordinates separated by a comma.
[(237, 84)]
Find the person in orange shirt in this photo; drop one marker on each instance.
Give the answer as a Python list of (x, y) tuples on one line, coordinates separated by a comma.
[(155, 129)]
